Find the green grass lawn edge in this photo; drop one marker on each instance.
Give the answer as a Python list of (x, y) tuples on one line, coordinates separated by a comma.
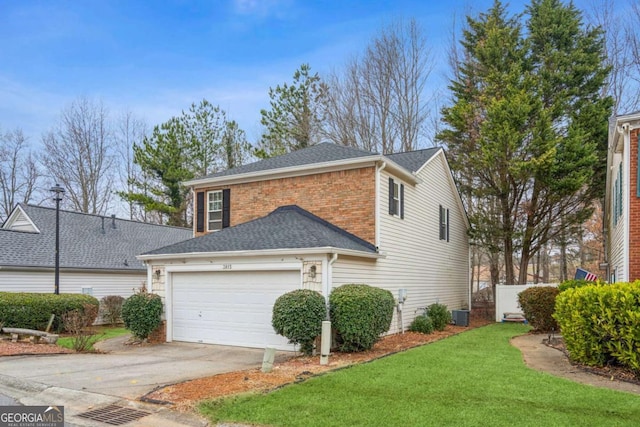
[(103, 333), (473, 378)]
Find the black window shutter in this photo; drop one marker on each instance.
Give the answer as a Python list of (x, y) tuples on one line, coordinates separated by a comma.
[(200, 211), (391, 212), (447, 225), (440, 221), (402, 201), (226, 208)]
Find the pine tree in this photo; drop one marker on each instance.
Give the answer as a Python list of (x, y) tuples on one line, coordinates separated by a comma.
[(295, 118)]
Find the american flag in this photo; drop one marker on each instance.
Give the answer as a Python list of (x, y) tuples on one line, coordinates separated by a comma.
[(584, 274)]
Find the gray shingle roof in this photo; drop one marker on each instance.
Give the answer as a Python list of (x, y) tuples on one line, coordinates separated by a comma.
[(413, 160), (320, 153), (82, 241), (324, 153), (288, 227)]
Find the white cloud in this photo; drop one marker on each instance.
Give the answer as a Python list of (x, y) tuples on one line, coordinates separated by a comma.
[(262, 8)]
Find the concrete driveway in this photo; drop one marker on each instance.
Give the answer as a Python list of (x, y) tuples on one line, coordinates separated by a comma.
[(131, 371)]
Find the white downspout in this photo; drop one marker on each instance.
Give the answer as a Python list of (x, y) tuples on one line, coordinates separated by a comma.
[(377, 207), (626, 199)]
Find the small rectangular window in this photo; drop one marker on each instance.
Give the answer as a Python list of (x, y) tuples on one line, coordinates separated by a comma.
[(214, 210), (444, 223), (396, 198)]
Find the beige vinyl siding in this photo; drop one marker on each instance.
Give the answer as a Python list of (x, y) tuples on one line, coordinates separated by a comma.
[(617, 258), (432, 270), (102, 283)]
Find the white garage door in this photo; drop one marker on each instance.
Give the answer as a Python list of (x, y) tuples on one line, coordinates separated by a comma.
[(229, 308)]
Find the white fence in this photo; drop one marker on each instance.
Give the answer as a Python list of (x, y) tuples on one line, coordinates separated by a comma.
[(507, 298)]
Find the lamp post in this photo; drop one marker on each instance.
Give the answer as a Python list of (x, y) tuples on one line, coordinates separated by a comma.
[(59, 191)]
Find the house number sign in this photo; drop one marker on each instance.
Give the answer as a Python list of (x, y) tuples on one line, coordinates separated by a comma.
[(227, 266)]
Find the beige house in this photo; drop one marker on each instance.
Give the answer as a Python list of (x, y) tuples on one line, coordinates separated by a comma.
[(316, 218)]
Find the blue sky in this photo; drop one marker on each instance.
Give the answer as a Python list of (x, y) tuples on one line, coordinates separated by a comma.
[(155, 58)]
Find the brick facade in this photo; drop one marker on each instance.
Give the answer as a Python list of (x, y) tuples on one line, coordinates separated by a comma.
[(634, 210), (344, 198)]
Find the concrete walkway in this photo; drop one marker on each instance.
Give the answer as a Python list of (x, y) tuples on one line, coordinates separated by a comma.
[(544, 358)]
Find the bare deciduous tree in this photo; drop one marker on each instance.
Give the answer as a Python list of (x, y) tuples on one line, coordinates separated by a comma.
[(622, 50), (378, 102), (129, 130), (79, 155), (19, 172)]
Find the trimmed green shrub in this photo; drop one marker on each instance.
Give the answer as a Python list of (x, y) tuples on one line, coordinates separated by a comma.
[(422, 324), (538, 306), (142, 314), (111, 309), (601, 324), (574, 283), (440, 315), (33, 310), (360, 314), (298, 316)]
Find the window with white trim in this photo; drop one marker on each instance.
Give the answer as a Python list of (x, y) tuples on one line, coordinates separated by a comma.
[(396, 198), (444, 223), (214, 210)]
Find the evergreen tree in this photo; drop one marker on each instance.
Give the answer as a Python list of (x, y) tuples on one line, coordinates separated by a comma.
[(197, 143), (295, 118), (524, 125), (164, 159)]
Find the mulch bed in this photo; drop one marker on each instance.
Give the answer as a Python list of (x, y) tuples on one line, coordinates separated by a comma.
[(23, 348), (185, 395)]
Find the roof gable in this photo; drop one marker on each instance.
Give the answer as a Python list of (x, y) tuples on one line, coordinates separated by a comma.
[(288, 227), (18, 220)]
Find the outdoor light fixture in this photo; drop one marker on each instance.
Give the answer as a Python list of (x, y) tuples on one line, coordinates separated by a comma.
[(59, 191)]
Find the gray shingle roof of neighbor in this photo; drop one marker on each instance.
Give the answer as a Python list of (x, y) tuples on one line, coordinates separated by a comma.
[(83, 244), (288, 227), (324, 153)]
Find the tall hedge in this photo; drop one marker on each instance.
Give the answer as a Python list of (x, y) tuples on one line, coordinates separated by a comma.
[(298, 316), (538, 305), (33, 310), (601, 324), (360, 314)]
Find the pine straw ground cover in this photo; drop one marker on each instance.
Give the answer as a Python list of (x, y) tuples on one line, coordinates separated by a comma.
[(184, 396)]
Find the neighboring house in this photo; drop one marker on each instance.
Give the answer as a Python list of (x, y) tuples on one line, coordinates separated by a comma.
[(97, 254), (622, 200), (315, 218)]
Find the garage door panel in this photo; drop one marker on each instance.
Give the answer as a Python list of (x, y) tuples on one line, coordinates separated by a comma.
[(230, 308)]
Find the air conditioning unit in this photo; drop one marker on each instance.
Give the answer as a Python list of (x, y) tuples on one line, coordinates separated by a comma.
[(460, 317)]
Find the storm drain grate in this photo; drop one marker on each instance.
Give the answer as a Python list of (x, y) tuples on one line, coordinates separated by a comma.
[(114, 415)]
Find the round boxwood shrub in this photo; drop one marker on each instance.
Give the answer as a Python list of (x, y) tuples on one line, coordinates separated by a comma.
[(440, 316), (298, 316), (360, 314), (538, 307), (33, 310), (142, 314), (422, 324)]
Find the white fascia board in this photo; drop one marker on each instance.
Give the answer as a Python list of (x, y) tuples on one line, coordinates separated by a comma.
[(268, 252), (303, 170)]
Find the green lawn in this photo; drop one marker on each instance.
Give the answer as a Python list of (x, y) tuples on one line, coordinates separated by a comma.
[(102, 333), (473, 379)]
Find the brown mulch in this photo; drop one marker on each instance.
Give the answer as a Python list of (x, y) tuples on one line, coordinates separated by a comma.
[(23, 348), (613, 372), (185, 395)]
